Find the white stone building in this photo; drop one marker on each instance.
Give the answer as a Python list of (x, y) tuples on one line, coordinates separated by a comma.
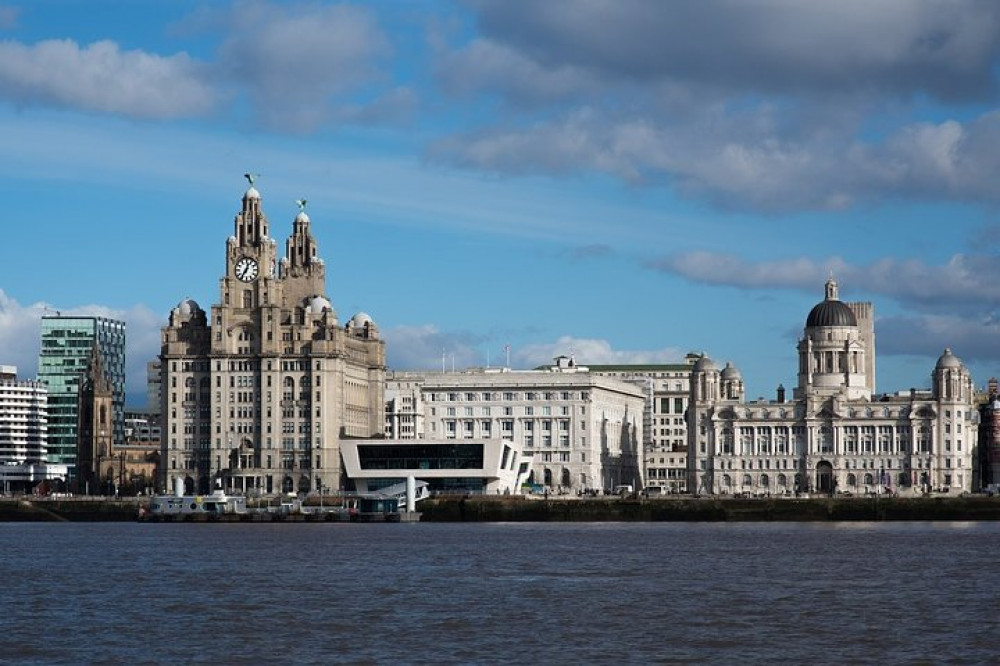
[(664, 425), (257, 394), (835, 434), (583, 431)]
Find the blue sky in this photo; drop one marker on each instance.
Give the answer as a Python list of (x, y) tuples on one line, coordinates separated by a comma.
[(623, 180)]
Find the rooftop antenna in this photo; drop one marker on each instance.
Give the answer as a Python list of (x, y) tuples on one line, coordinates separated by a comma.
[(506, 349)]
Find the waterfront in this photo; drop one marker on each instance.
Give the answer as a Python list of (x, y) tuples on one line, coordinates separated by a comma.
[(116, 593)]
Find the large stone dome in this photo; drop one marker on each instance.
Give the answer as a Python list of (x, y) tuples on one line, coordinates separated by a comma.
[(948, 360), (831, 313)]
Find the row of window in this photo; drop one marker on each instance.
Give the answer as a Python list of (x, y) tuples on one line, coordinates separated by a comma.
[(248, 462), (508, 396)]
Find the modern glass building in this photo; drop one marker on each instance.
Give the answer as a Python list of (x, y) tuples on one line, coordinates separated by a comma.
[(66, 345)]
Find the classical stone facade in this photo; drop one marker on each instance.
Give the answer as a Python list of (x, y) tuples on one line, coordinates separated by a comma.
[(257, 394), (835, 434), (583, 431), (667, 386)]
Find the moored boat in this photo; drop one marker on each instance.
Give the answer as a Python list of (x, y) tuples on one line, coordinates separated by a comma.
[(218, 503)]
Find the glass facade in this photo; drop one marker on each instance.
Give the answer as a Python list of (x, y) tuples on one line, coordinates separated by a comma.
[(421, 456), (66, 345)]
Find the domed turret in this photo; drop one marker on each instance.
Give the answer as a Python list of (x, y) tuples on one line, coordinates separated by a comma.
[(318, 304), (834, 350), (948, 360), (732, 383), (186, 313), (952, 380), (359, 320), (704, 364), (188, 307)]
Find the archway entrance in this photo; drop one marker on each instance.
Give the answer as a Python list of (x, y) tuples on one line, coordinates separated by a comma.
[(824, 477)]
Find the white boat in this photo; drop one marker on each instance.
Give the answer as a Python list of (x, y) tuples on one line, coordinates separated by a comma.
[(179, 504), (215, 504)]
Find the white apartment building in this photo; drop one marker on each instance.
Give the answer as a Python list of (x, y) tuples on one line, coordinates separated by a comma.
[(23, 433), (583, 431)]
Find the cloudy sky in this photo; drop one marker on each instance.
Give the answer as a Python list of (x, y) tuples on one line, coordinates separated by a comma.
[(623, 180)]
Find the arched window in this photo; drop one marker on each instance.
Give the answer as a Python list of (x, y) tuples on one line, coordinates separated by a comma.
[(747, 481)]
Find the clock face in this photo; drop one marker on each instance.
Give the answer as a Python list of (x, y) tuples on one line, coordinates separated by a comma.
[(246, 269)]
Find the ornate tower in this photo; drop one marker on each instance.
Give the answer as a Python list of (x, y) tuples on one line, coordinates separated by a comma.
[(705, 392), (257, 396), (832, 352)]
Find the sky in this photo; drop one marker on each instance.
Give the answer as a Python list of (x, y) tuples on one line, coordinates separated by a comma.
[(626, 181)]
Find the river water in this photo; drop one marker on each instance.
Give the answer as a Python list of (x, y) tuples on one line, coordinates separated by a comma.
[(600, 593)]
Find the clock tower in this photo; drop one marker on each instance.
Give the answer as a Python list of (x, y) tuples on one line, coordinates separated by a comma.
[(258, 393)]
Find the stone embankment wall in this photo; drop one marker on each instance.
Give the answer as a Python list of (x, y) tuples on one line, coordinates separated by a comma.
[(75, 510), (511, 509), (823, 509)]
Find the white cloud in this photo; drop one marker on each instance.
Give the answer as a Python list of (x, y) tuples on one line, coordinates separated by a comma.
[(297, 60), (425, 347), (589, 351), (20, 330), (8, 17), (966, 282), (973, 340), (488, 65), (943, 48), (20, 336), (101, 77), (747, 158), (748, 106)]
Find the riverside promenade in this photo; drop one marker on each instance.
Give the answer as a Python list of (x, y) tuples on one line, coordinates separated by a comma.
[(473, 508)]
